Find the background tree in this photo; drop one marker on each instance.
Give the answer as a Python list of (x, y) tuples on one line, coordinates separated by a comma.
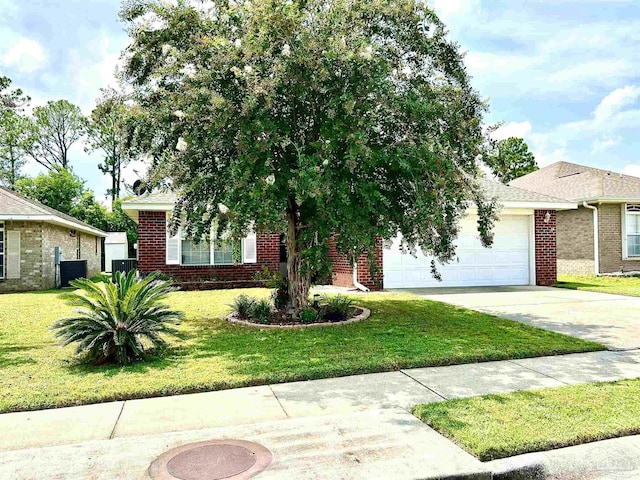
[(11, 99), (15, 145), (108, 131), (57, 126), (510, 158), (345, 118), (58, 189)]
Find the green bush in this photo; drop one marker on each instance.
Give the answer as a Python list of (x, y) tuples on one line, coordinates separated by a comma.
[(261, 311), (101, 278), (243, 305), (336, 308), (114, 321), (280, 294), (308, 315)]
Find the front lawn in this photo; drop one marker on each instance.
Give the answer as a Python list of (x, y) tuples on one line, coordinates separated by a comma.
[(617, 285), (210, 354), (498, 426)]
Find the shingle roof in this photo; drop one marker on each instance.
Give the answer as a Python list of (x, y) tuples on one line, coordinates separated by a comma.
[(578, 183), (15, 206), (508, 193), (503, 193), (155, 197)]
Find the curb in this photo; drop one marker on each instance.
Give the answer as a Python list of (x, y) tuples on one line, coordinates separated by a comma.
[(366, 313)]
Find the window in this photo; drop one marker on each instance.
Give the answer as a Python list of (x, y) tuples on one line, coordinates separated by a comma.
[(223, 252), (1, 250), (196, 253), (78, 251), (632, 230)]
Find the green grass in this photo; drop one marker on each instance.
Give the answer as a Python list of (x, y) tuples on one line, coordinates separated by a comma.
[(211, 354), (617, 285), (498, 426)]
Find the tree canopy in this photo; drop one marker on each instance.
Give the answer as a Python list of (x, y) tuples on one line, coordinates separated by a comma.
[(11, 99), (510, 158), (15, 145), (57, 126), (343, 119), (109, 132)]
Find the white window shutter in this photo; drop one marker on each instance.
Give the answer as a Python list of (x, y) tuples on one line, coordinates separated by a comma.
[(250, 249), (13, 254), (173, 245)]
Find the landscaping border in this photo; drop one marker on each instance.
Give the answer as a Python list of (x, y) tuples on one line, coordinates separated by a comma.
[(363, 315)]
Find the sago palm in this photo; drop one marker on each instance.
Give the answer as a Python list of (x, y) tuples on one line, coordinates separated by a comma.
[(116, 321)]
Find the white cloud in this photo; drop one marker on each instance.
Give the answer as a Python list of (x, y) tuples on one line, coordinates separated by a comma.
[(447, 8), (25, 55), (616, 101), (512, 129), (631, 169)]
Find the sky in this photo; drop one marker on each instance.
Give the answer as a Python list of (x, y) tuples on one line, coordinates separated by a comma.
[(562, 74)]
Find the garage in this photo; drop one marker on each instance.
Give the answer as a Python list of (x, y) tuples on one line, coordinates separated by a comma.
[(507, 262)]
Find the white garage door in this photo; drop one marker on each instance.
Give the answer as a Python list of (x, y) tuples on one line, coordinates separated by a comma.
[(505, 263)]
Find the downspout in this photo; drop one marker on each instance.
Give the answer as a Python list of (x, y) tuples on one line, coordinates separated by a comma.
[(596, 249), (356, 283)]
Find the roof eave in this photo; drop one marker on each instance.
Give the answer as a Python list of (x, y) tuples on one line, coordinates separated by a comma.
[(54, 220), (540, 205)]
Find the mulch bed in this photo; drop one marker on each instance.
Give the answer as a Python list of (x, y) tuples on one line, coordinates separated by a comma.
[(281, 320)]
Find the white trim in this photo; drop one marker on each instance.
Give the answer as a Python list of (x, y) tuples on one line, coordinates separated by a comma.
[(55, 220), (152, 207), (540, 205), (623, 222), (532, 250), (596, 237)]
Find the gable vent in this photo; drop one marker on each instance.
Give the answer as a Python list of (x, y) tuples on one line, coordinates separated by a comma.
[(633, 207)]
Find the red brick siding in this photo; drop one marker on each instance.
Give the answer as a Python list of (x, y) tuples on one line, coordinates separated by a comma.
[(546, 250), (152, 231), (343, 273)]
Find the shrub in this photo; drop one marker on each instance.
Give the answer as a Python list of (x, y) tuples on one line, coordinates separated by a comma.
[(101, 278), (280, 294), (243, 305), (114, 321), (308, 315), (270, 278), (261, 311), (336, 308)]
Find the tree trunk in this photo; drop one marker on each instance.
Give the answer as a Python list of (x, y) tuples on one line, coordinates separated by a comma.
[(298, 280)]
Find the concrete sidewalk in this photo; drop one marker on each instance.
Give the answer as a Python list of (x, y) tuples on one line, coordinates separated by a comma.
[(337, 396)]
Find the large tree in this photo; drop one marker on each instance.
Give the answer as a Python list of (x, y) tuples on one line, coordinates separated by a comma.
[(345, 119), (15, 145), (57, 126), (109, 127), (11, 99), (510, 158), (58, 188)]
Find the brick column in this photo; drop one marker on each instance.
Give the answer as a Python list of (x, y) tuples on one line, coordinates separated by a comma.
[(546, 251)]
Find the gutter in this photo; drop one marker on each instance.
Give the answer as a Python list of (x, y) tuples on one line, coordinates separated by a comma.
[(596, 253), (356, 283)]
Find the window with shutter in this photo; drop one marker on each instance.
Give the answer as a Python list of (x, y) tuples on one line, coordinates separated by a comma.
[(13, 254), (632, 230), (250, 249), (173, 245)]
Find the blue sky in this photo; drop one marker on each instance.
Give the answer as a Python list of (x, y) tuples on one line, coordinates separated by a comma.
[(563, 74)]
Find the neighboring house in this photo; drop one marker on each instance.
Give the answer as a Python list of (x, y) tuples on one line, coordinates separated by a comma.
[(603, 234), (523, 252), (116, 247), (29, 233)]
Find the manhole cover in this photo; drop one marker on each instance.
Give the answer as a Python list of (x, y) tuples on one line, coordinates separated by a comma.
[(214, 460)]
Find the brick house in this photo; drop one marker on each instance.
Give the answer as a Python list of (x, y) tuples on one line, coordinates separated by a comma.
[(523, 253), (603, 234), (29, 233)]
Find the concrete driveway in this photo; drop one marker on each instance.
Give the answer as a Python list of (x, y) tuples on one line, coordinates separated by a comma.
[(613, 320)]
